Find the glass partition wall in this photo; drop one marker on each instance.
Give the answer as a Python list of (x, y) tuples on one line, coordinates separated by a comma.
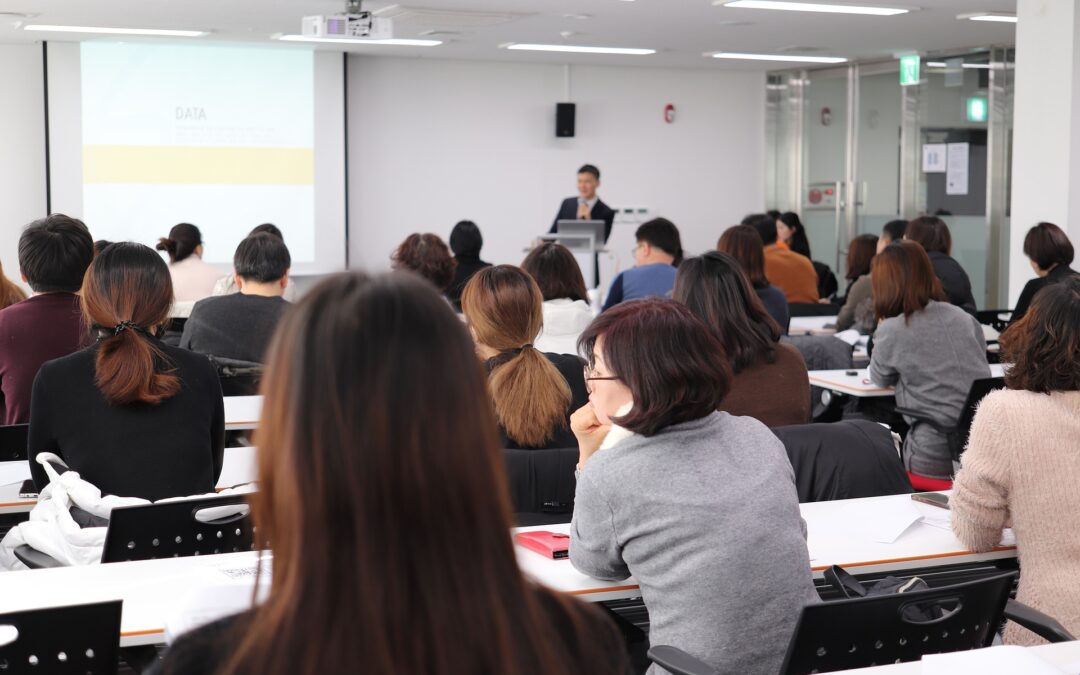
[(849, 149)]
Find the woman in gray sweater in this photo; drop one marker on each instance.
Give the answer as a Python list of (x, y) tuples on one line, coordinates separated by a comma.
[(930, 350), (699, 506)]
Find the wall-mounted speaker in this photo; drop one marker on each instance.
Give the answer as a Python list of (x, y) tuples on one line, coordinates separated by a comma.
[(564, 119)]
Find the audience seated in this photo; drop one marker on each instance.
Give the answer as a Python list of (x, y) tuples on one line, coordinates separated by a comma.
[(931, 351), (54, 253), (743, 243), (790, 231), (933, 235), (227, 284), (566, 299), (10, 293), (657, 254), (770, 381), (135, 417), (192, 279), (1022, 462), (534, 392), (792, 273), (698, 505), (238, 326), (428, 256), (890, 232), (389, 421), (857, 310), (466, 242), (1050, 253)]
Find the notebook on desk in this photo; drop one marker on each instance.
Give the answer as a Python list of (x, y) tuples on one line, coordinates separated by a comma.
[(548, 544)]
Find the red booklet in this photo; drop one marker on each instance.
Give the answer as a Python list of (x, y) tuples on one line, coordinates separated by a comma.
[(548, 544)]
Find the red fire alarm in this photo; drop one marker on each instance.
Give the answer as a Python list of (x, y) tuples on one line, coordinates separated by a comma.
[(669, 113)]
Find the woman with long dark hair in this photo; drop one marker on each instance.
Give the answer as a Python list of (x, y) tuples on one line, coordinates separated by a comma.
[(384, 502), (743, 243), (192, 278), (134, 416), (859, 292), (567, 311), (770, 380)]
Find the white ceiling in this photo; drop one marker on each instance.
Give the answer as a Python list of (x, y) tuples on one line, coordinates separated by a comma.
[(681, 30)]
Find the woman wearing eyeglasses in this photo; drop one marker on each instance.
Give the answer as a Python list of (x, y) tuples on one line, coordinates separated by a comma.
[(698, 505)]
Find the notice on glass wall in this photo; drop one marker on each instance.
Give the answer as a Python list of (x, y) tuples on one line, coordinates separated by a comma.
[(933, 158), (956, 174)]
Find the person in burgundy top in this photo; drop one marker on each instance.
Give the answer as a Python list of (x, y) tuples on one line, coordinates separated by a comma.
[(54, 253)]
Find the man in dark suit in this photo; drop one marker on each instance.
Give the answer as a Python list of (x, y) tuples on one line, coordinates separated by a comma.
[(587, 205)]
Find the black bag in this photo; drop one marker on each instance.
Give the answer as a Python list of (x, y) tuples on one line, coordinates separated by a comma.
[(850, 587)]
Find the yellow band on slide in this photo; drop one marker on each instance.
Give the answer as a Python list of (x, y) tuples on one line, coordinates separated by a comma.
[(202, 165)]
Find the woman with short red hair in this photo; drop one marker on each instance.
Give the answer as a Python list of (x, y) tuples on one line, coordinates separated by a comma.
[(930, 350)]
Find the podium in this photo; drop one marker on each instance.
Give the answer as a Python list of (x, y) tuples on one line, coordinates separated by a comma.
[(585, 239)]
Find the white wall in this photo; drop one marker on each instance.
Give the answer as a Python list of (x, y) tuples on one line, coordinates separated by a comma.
[(22, 148), (433, 142), (1046, 137)]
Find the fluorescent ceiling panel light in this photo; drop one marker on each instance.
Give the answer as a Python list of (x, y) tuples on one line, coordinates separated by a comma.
[(783, 5), (942, 64), (395, 42), (102, 30), (580, 50), (989, 16), (791, 58)]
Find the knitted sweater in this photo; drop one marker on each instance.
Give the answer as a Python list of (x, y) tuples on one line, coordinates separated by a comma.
[(1022, 466)]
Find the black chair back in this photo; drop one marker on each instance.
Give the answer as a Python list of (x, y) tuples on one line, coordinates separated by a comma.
[(75, 640), (886, 629), (180, 528), (979, 390), (13, 439), (542, 485), (812, 309), (238, 378)]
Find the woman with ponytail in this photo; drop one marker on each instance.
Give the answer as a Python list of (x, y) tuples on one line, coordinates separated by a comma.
[(132, 415), (533, 392), (192, 279)]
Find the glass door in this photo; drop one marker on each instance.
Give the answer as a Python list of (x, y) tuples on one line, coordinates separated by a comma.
[(826, 164)]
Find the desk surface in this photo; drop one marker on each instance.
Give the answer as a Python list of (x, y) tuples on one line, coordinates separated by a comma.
[(833, 538), (859, 384), (816, 325), (1062, 655), (242, 412)]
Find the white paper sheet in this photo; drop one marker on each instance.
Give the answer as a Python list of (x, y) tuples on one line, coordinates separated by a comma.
[(956, 177), (14, 472), (883, 522), (1004, 660), (933, 158)]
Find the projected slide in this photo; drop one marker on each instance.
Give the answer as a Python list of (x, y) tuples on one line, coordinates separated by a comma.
[(222, 137)]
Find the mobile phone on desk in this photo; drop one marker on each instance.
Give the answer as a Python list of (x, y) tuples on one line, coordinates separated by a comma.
[(28, 490), (932, 498)]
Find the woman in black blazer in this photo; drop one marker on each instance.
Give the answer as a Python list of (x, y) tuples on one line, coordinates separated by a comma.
[(132, 415), (933, 235)]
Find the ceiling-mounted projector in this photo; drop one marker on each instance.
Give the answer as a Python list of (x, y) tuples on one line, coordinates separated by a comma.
[(354, 23)]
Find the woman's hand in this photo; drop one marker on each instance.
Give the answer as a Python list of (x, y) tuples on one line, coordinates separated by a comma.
[(589, 431)]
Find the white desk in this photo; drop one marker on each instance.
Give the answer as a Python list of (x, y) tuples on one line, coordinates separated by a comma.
[(831, 540), (811, 325), (242, 412), (1062, 655), (859, 384)]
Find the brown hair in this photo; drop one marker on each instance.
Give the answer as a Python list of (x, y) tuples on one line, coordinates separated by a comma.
[(503, 306), (743, 243), (672, 363), (931, 233), (860, 253), (426, 255), (10, 293), (1044, 345), (126, 297), (181, 243), (903, 281), (556, 272), (1047, 245), (340, 450)]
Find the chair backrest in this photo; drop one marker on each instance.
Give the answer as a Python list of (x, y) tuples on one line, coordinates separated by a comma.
[(843, 460), (895, 628), (542, 484), (181, 528), (78, 639), (812, 309), (13, 439), (238, 378), (979, 390)]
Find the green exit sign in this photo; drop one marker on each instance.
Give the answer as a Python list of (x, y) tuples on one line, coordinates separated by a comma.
[(977, 109), (909, 70)]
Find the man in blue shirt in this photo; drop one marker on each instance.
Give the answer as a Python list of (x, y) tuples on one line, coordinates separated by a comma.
[(658, 251)]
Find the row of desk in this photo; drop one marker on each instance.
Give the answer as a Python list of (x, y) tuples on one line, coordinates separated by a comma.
[(841, 532), (856, 382)]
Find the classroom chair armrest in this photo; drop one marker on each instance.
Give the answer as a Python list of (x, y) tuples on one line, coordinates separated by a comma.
[(1046, 627), (35, 559), (679, 662)]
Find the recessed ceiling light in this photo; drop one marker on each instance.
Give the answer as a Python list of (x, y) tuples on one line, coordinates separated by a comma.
[(395, 42), (159, 32), (999, 17), (811, 7), (580, 50), (970, 66), (791, 58)]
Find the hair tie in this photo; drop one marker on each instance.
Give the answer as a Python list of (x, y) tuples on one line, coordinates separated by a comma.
[(125, 325), (508, 354)]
